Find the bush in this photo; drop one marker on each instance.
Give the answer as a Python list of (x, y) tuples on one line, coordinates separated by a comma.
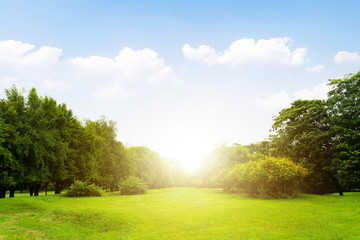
[(83, 189), (132, 185), (275, 177)]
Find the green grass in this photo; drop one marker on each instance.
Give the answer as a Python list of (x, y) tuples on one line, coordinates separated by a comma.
[(180, 213)]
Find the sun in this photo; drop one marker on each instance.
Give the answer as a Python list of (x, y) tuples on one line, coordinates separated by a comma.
[(187, 142)]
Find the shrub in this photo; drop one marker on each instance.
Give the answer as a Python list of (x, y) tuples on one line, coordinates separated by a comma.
[(132, 185), (83, 189), (275, 177)]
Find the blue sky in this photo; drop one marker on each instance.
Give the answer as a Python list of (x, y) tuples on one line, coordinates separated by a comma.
[(179, 76)]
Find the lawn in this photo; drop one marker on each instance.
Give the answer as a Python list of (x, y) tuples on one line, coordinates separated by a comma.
[(180, 213)]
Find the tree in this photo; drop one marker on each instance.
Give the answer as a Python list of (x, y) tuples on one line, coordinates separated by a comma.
[(150, 167), (41, 142), (218, 164), (8, 164), (109, 155), (269, 175), (344, 111), (302, 133), (15, 140), (58, 123), (37, 169)]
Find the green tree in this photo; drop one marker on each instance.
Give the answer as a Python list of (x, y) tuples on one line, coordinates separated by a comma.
[(344, 110), (302, 133), (110, 159), (8, 164), (150, 167), (218, 164), (58, 123), (37, 168), (269, 175), (15, 141)]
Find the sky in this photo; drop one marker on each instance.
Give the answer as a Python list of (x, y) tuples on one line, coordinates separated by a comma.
[(180, 77)]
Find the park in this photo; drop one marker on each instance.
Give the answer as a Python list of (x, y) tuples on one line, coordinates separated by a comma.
[(180, 213), (189, 120)]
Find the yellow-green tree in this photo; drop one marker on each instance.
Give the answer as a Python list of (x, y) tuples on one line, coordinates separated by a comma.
[(269, 175)]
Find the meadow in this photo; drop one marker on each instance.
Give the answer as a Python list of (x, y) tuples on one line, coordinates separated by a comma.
[(180, 213)]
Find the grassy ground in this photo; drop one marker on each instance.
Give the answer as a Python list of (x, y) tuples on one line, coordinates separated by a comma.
[(180, 213)]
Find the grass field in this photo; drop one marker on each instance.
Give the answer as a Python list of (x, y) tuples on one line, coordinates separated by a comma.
[(180, 213)]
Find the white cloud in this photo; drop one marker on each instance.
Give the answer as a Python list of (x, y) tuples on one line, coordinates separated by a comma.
[(274, 101), (283, 99), (17, 54), (128, 65), (7, 82), (315, 68), (318, 92), (48, 84), (110, 92), (344, 57), (11, 48), (202, 53), (104, 76), (273, 51)]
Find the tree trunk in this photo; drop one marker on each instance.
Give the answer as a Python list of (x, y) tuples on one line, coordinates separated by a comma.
[(12, 191), (37, 189), (336, 184), (46, 187), (2, 192), (31, 190), (57, 188)]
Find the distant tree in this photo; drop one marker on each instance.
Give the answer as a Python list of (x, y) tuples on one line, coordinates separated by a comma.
[(150, 167), (179, 177), (219, 162)]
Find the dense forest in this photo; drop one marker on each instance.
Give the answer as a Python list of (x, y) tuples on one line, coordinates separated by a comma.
[(314, 147)]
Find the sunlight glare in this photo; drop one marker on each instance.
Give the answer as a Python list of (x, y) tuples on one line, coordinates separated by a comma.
[(188, 143)]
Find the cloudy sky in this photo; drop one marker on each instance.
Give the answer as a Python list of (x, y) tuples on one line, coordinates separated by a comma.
[(180, 77)]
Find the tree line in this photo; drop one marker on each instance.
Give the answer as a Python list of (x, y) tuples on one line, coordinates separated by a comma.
[(314, 146), (42, 144), (322, 135)]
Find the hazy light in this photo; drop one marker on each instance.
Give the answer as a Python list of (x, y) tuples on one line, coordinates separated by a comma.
[(185, 141)]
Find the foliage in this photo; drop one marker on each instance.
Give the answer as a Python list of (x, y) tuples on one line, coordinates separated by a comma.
[(270, 175), (219, 162), (83, 189), (344, 110), (41, 142), (150, 167), (108, 154), (324, 135), (132, 185), (302, 133)]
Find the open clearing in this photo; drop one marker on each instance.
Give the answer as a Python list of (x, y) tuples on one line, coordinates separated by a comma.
[(180, 213)]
